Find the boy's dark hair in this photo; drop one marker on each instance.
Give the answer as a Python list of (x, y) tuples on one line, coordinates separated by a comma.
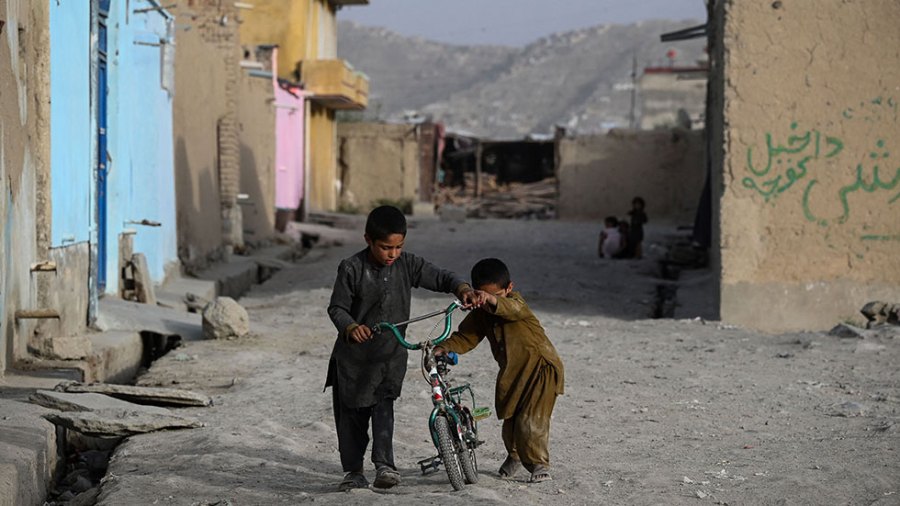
[(490, 271), (638, 200), (384, 221), (611, 221)]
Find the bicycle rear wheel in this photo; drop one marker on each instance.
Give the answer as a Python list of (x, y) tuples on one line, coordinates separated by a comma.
[(449, 455), (469, 464)]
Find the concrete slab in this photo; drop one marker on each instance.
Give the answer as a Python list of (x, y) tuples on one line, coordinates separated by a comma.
[(118, 423), (144, 395), (118, 314), (234, 277), (63, 401), (117, 355), (171, 294), (323, 235), (28, 453)]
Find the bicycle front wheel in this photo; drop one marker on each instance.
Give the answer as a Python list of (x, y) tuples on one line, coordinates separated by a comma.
[(447, 450)]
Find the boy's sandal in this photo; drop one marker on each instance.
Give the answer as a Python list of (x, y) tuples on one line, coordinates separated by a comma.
[(540, 474), (386, 477), (509, 468), (355, 479)]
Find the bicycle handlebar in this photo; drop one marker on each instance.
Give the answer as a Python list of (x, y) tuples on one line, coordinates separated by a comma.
[(410, 346)]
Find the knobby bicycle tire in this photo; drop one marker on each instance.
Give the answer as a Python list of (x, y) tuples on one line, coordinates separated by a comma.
[(449, 456), (468, 463)]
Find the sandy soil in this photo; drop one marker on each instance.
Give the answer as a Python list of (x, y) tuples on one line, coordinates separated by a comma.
[(656, 411)]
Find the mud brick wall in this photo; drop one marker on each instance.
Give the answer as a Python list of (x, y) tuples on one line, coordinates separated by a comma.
[(24, 168), (207, 66), (599, 175), (377, 161), (806, 150)]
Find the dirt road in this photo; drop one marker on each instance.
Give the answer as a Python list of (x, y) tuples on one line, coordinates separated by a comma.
[(655, 411)]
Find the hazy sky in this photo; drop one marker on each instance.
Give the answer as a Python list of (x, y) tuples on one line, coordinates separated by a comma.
[(511, 22)]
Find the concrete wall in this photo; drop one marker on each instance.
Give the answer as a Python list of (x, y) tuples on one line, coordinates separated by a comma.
[(256, 120), (141, 170), (807, 175), (24, 164), (378, 161), (599, 175)]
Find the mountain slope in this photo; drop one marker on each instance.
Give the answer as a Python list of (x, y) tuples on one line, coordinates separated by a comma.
[(566, 78)]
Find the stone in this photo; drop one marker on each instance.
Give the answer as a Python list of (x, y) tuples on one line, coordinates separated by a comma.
[(66, 347), (86, 498), (880, 313), (847, 331), (224, 318), (119, 423), (141, 395)]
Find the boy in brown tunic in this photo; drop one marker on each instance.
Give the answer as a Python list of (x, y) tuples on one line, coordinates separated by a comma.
[(531, 372)]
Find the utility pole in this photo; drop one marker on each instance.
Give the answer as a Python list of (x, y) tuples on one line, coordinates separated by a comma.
[(632, 118)]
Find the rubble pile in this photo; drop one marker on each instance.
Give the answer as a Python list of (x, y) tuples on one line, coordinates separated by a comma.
[(511, 200)]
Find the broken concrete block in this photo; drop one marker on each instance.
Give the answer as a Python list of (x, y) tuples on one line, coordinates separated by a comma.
[(141, 395), (224, 318), (119, 423), (66, 347)]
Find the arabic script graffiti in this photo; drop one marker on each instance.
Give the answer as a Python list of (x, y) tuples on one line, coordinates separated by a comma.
[(789, 160)]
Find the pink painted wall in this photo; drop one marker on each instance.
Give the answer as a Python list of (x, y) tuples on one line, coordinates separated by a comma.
[(290, 145)]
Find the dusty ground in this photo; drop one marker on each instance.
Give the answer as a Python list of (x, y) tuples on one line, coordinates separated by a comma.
[(656, 411)]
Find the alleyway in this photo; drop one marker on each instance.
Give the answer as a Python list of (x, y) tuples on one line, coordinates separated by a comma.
[(655, 411)]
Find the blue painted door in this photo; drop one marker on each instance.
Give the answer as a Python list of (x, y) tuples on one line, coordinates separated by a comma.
[(102, 155)]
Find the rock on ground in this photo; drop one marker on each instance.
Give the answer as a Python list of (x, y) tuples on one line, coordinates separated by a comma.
[(224, 318)]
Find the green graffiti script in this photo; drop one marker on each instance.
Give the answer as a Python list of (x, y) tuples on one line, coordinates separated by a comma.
[(867, 180), (790, 160)]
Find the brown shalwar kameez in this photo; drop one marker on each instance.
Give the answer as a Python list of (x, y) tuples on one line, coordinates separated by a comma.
[(530, 378)]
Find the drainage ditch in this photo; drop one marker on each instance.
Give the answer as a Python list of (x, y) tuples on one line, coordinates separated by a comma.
[(85, 459), (680, 255)]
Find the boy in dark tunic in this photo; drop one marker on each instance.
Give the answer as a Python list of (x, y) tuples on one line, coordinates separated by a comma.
[(366, 370), (531, 372)]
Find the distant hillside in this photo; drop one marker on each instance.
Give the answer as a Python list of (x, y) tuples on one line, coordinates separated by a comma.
[(566, 78)]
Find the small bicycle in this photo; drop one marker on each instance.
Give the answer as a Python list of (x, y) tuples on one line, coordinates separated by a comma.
[(453, 426)]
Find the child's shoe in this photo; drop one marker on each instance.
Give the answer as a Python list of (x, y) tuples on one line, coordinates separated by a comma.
[(354, 479), (386, 477)]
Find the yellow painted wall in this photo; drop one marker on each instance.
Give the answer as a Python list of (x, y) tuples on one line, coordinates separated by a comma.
[(294, 25), (322, 159)]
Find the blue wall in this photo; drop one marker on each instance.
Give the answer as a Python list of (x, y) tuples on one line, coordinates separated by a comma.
[(71, 176), (141, 181)]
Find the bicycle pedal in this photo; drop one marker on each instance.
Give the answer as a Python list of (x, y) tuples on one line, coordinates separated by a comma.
[(481, 413), (430, 465)]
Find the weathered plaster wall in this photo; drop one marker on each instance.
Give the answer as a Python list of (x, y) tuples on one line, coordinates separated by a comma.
[(809, 179), (201, 56), (378, 161), (600, 175), (256, 120), (24, 164)]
